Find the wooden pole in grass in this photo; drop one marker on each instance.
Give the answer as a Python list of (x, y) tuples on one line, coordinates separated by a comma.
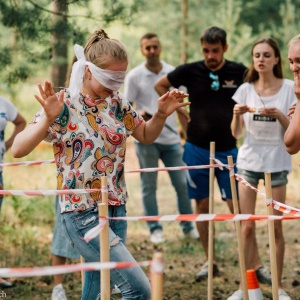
[(82, 272), (157, 273), (238, 227), (211, 223), (104, 241), (272, 244)]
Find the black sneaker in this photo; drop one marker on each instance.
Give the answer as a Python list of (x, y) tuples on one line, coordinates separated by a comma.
[(203, 273), (263, 275)]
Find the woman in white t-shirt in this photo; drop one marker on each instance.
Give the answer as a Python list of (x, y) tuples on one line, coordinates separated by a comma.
[(8, 113), (263, 102)]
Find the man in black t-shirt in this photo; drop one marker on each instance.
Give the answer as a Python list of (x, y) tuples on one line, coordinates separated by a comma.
[(211, 84)]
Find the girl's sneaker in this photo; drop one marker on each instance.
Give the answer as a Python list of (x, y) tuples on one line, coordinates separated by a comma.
[(58, 293), (237, 295)]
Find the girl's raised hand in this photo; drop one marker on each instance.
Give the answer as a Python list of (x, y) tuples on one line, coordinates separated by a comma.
[(51, 104), (170, 101)]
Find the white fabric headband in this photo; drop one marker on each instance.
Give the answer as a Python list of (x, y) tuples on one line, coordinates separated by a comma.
[(109, 79)]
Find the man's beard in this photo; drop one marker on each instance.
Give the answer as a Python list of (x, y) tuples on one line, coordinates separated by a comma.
[(213, 64)]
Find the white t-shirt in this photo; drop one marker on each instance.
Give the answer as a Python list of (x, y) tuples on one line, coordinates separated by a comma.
[(139, 88), (263, 149), (8, 112)]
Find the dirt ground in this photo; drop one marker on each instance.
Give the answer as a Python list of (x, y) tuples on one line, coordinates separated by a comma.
[(182, 258)]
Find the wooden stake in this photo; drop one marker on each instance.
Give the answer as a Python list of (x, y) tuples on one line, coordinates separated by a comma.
[(104, 241), (157, 273), (82, 272), (238, 228), (211, 223), (272, 239)]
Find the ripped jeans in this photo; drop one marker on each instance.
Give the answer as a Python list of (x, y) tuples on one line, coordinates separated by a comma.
[(132, 282)]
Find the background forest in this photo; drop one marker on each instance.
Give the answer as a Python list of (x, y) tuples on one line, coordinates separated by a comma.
[(36, 43), (37, 36)]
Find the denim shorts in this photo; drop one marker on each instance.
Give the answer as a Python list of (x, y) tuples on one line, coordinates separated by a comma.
[(198, 183), (60, 244), (277, 178)]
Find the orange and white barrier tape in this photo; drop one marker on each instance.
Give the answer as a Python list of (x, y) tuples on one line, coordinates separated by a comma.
[(28, 163), (174, 168), (46, 192), (275, 204), (95, 231), (208, 217), (246, 183), (40, 162), (287, 209), (219, 162), (63, 269)]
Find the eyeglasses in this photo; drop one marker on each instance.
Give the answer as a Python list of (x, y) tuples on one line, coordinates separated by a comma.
[(215, 85)]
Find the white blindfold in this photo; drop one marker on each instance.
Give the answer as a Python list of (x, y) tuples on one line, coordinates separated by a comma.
[(109, 79)]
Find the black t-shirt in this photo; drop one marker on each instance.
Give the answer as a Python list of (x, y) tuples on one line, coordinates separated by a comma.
[(210, 110)]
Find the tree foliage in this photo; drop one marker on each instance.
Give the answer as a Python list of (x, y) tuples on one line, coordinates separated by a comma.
[(245, 21), (264, 14), (28, 25)]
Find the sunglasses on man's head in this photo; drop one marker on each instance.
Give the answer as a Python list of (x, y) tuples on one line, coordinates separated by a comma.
[(215, 85)]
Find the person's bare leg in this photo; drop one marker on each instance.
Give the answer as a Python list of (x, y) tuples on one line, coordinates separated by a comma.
[(255, 257), (247, 202), (202, 207), (279, 193), (56, 261), (230, 205)]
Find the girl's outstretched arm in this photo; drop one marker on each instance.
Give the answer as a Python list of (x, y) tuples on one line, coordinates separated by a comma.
[(148, 132)]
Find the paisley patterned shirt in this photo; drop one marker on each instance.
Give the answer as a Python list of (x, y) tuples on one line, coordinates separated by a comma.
[(89, 141)]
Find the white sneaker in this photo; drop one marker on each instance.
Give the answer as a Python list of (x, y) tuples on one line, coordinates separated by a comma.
[(157, 236), (282, 295), (237, 295), (115, 290), (193, 234), (58, 293)]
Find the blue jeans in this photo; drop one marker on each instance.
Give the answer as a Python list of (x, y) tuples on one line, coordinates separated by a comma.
[(132, 282), (171, 156), (59, 246)]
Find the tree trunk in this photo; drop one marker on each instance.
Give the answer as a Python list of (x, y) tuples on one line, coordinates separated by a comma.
[(59, 43), (184, 30)]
